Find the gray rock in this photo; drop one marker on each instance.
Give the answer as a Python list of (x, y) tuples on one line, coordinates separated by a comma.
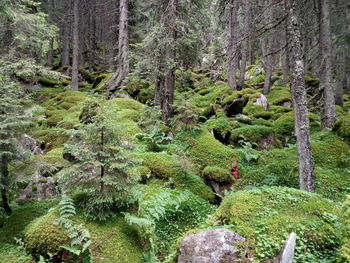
[(262, 101), (210, 246), (287, 252), (27, 143)]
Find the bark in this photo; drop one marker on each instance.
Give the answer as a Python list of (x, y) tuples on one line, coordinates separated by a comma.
[(232, 47), (5, 184), (67, 33), (302, 125), (329, 114), (341, 77), (75, 67), (245, 43), (50, 4), (169, 87), (123, 49), (92, 34)]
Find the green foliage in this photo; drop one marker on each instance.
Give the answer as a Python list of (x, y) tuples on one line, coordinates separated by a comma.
[(164, 215), (266, 217), (100, 167), (344, 256)]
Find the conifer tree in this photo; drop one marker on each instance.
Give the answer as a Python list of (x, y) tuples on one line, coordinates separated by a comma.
[(12, 122), (100, 166)]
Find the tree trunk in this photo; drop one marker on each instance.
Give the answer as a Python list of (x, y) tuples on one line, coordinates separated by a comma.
[(67, 33), (5, 184), (50, 7), (245, 43), (232, 47), (302, 125), (169, 81), (75, 67), (123, 49), (329, 114), (341, 77), (92, 34)]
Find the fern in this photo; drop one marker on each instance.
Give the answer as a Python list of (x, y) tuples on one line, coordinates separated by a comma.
[(80, 237)]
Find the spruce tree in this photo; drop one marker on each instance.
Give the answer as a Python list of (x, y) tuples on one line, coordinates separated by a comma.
[(100, 168), (12, 122)]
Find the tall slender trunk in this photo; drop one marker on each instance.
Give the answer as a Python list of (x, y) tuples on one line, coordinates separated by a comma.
[(302, 124), (67, 29), (245, 43), (329, 114), (4, 176), (169, 87), (75, 67), (92, 34), (232, 47), (123, 49), (50, 7)]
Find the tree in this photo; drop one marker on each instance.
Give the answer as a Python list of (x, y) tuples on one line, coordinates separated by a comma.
[(67, 28), (123, 48), (329, 113), (12, 121), (232, 46), (100, 168), (76, 46), (301, 119)]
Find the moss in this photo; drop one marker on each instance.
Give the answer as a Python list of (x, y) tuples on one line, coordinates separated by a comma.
[(331, 151), (51, 138), (205, 150), (344, 253), (256, 79), (44, 235), (161, 165), (115, 239), (266, 217), (46, 94), (48, 82), (279, 95), (14, 254), (284, 125), (252, 134), (217, 174), (222, 124), (54, 157), (212, 95), (261, 122), (312, 82), (100, 81), (88, 76), (342, 127)]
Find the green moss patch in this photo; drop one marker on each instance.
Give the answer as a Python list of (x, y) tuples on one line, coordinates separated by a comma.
[(342, 127), (266, 217)]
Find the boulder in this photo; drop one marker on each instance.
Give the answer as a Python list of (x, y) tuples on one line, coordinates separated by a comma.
[(262, 101), (27, 143), (40, 188), (210, 246)]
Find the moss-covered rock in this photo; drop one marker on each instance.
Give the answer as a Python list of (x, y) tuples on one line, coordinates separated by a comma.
[(45, 235), (204, 150), (254, 134), (266, 217), (161, 165), (344, 253), (284, 125), (342, 127), (50, 138), (217, 174), (279, 95)]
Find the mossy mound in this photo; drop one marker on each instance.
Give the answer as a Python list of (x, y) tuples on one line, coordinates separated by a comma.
[(204, 98), (204, 150), (166, 167), (161, 165), (115, 239), (14, 254), (45, 235), (266, 217), (254, 134), (279, 95), (50, 138), (342, 127), (217, 174), (284, 125)]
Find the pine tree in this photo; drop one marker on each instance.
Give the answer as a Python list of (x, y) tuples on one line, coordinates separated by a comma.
[(100, 167), (12, 122)]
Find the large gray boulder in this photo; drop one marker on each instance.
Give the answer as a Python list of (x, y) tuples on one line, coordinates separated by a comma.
[(210, 246)]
